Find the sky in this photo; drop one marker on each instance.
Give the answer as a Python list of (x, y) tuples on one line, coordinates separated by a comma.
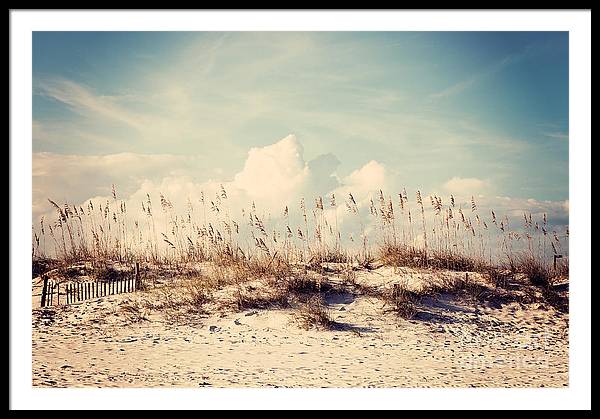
[(279, 115)]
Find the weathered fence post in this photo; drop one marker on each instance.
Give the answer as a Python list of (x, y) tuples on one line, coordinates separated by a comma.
[(556, 257), (58, 294), (136, 284), (44, 290)]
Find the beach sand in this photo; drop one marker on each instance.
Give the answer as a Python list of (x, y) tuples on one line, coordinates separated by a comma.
[(451, 342)]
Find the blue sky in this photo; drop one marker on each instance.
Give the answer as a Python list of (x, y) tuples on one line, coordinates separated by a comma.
[(487, 110)]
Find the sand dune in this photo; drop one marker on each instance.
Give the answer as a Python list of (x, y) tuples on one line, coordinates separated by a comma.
[(451, 342)]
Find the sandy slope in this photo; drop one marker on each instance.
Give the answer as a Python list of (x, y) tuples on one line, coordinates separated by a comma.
[(450, 343)]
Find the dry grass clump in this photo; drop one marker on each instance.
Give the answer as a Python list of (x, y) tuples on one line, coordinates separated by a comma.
[(280, 292), (314, 313), (562, 269), (42, 265), (180, 295), (405, 302), (240, 271), (303, 283), (395, 255), (348, 275), (250, 299), (335, 255), (108, 273), (558, 300), (464, 285), (455, 262), (301, 291), (536, 272), (401, 300), (192, 290), (169, 297), (498, 277), (399, 255), (275, 267), (134, 311), (199, 292)]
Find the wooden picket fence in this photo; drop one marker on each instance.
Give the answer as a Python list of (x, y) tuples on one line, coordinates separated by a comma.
[(54, 293)]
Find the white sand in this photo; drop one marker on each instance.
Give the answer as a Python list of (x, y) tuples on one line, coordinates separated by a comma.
[(451, 343)]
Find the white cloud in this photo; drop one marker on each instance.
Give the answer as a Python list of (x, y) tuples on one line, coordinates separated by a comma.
[(477, 77), (455, 88), (273, 173), (273, 176), (464, 186), (557, 211), (75, 178), (557, 135), (371, 176), (83, 101)]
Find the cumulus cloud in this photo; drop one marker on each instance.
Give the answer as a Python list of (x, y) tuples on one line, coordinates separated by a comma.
[(274, 172), (368, 178), (273, 176), (464, 186), (556, 211), (76, 178)]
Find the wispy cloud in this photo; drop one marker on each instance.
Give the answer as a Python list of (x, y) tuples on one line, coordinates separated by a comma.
[(479, 76), (84, 101), (458, 87), (558, 135)]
